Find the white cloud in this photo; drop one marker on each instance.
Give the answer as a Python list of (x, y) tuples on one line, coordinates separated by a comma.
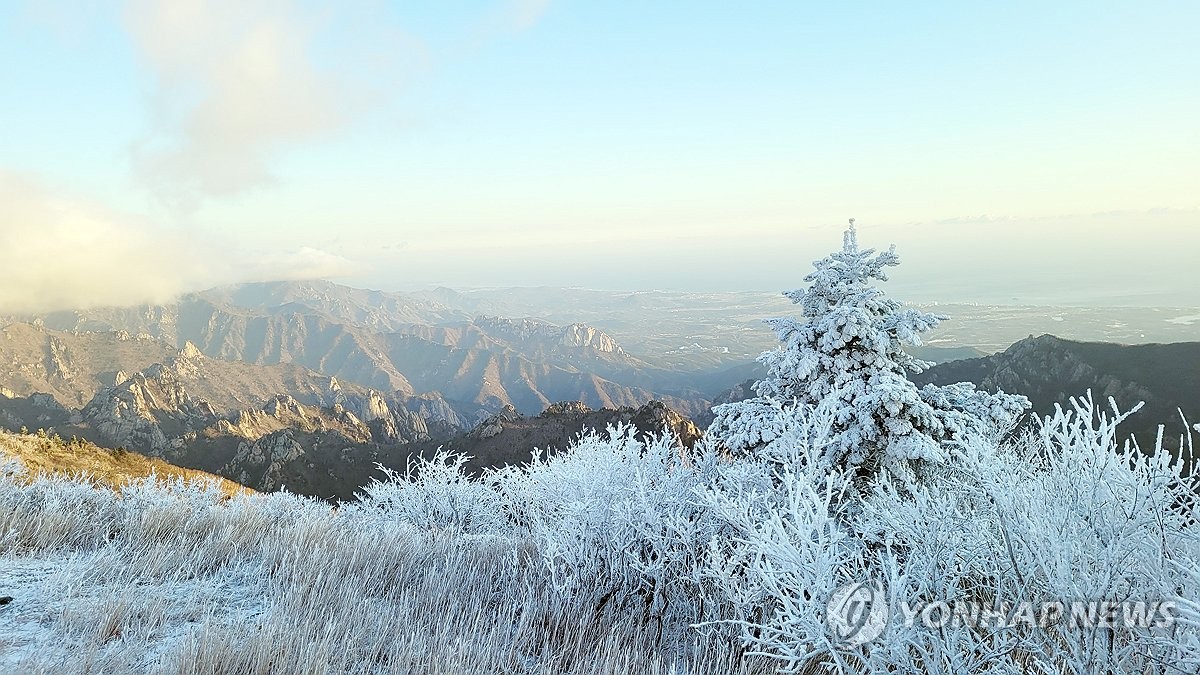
[(237, 83), (59, 252), (306, 263)]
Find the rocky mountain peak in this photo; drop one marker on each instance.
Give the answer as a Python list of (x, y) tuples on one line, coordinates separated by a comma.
[(375, 408), (657, 416), (262, 461), (190, 351), (536, 330), (284, 406), (583, 335), (566, 408), (58, 359), (495, 424)]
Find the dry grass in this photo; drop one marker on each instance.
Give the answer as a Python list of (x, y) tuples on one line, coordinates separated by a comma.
[(50, 455)]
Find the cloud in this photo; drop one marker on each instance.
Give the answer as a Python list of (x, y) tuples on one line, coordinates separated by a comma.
[(306, 263), (235, 84), (61, 252)]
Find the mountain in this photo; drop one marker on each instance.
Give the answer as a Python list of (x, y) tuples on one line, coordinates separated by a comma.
[(284, 425), (1050, 370), (233, 418), (74, 368), (307, 385), (71, 367), (492, 365), (402, 344)]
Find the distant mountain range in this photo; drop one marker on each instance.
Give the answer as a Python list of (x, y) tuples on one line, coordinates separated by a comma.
[(308, 384), (398, 344)]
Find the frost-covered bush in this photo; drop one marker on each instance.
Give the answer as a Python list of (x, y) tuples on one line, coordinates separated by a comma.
[(789, 549), (69, 514), (847, 354), (434, 495), (1063, 514), (161, 578), (619, 520)]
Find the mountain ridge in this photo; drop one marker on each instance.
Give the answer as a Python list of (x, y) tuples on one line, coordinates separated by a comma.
[(485, 362), (1049, 370)]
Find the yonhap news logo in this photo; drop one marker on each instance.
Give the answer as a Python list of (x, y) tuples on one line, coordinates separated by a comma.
[(860, 613), (857, 614)]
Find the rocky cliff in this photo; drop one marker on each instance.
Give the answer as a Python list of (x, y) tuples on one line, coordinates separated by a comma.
[(243, 431)]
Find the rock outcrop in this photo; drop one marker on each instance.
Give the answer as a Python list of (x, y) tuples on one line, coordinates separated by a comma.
[(493, 425), (146, 411), (510, 438), (263, 463)]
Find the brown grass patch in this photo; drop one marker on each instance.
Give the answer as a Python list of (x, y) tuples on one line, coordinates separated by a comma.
[(48, 454)]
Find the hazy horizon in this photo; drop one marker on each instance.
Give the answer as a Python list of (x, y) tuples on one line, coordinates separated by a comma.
[(1015, 154)]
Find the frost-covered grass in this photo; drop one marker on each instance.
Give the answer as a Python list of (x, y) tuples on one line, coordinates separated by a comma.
[(177, 578), (615, 557)]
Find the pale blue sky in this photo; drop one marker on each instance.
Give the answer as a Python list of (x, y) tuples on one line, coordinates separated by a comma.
[(606, 144)]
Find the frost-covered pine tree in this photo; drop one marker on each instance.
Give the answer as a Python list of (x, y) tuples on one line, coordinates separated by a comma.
[(846, 357)]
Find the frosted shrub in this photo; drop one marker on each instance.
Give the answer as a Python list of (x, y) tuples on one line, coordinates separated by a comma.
[(171, 578), (434, 495), (69, 514), (779, 571), (617, 550), (619, 520), (1065, 514)]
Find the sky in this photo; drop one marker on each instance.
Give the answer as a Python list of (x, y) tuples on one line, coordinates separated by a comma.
[(1015, 152)]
